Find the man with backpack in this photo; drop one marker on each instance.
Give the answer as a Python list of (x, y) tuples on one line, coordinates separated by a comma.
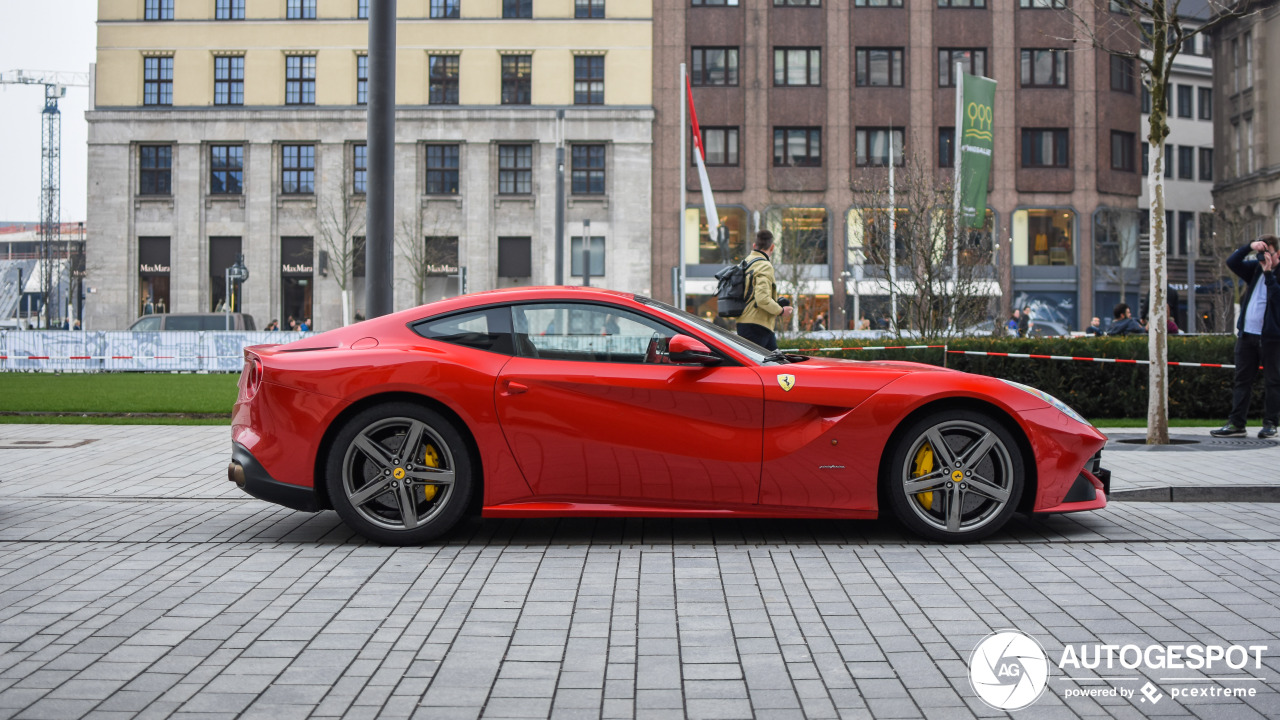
[(758, 318)]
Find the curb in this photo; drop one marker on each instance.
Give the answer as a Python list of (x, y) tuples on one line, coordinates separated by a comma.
[(1178, 493)]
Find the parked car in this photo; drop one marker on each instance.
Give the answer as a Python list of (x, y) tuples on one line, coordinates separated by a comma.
[(1039, 328), (193, 321), (549, 402)]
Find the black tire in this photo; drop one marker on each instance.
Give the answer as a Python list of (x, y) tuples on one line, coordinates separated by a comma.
[(936, 502), (371, 481)]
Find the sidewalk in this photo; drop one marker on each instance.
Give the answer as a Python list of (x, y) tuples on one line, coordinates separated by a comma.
[(1210, 470)]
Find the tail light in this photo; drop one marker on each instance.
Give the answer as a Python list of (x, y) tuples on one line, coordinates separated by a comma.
[(251, 377)]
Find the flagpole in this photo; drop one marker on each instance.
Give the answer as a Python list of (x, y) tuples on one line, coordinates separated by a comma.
[(893, 242), (684, 192), (956, 139)]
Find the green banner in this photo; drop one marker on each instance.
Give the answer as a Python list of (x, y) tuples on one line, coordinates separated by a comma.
[(976, 144)]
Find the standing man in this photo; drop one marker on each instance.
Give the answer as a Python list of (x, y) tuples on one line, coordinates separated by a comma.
[(761, 314), (1122, 322), (1258, 342), (1024, 322), (1095, 327)]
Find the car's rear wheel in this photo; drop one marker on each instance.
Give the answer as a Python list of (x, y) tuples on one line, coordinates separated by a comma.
[(955, 476), (399, 474)]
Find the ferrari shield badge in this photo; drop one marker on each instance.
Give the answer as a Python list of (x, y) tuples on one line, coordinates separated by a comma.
[(787, 382)]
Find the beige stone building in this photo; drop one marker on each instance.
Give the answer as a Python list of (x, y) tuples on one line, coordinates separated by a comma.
[(227, 127), (1246, 66)]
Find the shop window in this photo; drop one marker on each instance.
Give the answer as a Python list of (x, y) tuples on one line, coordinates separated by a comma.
[(707, 248), (1115, 238), (1044, 237)]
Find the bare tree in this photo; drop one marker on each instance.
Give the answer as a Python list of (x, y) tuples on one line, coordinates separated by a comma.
[(921, 251), (1120, 27), (339, 222), (800, 240), (427, 253)]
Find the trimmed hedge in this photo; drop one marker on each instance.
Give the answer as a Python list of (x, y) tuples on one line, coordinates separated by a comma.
[(1096, 390)]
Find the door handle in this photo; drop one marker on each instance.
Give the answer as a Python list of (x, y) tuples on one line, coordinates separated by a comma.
[(514, 388)]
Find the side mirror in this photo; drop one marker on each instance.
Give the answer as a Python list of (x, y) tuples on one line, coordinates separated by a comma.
[(684, 350)]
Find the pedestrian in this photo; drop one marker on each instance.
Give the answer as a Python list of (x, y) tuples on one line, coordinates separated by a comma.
[(1012, 325), (1024, 322), (293, 324), (1170, 325), (1095, 327), (305, 326), (1122, 322), (1258, 341), (819, 323), (758, 320)]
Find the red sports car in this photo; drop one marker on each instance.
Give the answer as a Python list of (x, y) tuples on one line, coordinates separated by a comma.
[(580, 401)]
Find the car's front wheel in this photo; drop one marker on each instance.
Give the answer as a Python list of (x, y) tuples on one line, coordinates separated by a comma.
[(955, 476), (399, 474)]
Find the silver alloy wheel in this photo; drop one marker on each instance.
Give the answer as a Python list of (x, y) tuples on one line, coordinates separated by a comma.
[(970, 481), (386, 476)]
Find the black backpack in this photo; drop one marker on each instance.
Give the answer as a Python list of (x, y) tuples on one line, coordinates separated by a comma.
[(733, 290)]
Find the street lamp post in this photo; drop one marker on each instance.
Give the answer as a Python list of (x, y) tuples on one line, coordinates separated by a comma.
[(236, 274)]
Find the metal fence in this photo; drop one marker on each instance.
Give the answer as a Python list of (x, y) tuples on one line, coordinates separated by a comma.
[(78, 351)]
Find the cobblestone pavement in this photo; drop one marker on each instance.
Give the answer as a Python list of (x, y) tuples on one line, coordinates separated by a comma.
[(136, 582)]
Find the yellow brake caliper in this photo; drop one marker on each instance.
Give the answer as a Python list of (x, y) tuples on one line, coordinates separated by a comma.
[(923, 465), (431, 459)]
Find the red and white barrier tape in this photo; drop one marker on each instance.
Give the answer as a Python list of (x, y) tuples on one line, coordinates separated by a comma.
[(882, 347), (1085, 359)]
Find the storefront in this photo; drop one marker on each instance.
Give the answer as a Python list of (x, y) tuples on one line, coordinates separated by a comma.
[(223, 252), (1045, 264), (297, 281), (153, 275)]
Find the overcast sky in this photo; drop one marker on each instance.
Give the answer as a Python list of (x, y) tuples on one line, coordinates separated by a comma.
[(44, 35)]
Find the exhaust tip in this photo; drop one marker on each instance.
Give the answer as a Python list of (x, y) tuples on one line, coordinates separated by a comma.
[(235, 473)]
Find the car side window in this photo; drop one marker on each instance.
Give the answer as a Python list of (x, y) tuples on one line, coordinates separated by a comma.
[(487, 329), (149, 324), (184, 322), (591, 333)]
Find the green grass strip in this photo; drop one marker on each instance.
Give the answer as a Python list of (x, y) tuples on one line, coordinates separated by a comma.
[(118, 393)]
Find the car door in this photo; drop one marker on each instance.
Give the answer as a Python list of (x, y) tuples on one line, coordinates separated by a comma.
[(594, 411)]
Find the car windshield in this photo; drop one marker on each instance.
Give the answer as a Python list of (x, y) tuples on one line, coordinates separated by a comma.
[(746, 347)]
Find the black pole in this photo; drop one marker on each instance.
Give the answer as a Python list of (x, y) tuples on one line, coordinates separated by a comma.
[(586, 253), (559, 198), (381, 138)]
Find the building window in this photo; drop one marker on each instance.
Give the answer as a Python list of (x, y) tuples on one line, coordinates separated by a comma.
[(797, 147), (797, 3), (973, 61), (153, 275), (1168, 160), (1044, 68), (1043, 236), (588, 80), (1235, 65), (1122, 74), (1042, 4), (588, 169), (1146, 158), (1206, 164), (1122, 151), (300, 80), (1145, 103), (223, 252), (359, 168), (946, 147), (715, 3), (1248, 61), (715, 66), (720, 145), (298, 169), (158, 10), (442, 169), (1186, 162), (362, 9), (515, 257), (879, 67), (154, 165), (515, 169), (226, 169), (877, 3), (443, 79), (157, 81), (229, 10), (597, 256), (362, 79), (1185, 101), (588, 8), (872, 146), (517, 8), (1045, 148), (300, 10), (444, 8), (517, 79), (797, 66), (1206, 103), (297, 281), (962, 3), (228, 80)]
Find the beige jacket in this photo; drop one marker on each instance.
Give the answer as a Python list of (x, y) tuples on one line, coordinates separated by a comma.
[(763, 308)]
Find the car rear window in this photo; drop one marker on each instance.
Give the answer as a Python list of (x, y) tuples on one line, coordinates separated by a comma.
[(488, 329), (184, 322)]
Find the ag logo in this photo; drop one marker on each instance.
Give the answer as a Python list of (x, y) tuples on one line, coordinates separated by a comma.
[(787, 382), (1008, 670)]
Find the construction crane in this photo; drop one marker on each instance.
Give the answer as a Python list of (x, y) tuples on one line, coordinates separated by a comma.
[(55, 88)]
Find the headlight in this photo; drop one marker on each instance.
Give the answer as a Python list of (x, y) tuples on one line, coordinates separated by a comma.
[(1065, 408)]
